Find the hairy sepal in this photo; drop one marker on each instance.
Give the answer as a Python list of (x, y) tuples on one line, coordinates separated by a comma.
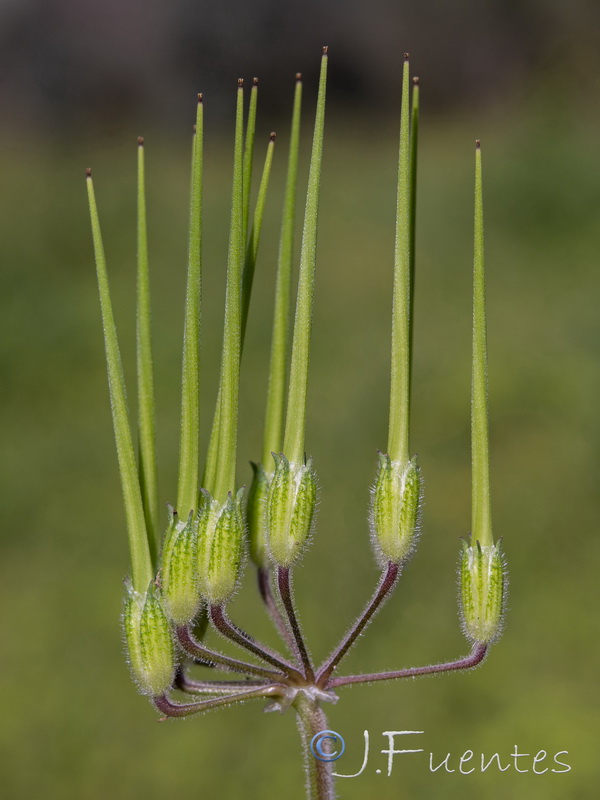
[(179, 572), (483, 584), (221, 536), (395, 516), (291, 509), (149, 641)]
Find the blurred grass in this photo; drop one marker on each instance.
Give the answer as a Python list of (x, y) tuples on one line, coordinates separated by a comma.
[(72, 725)]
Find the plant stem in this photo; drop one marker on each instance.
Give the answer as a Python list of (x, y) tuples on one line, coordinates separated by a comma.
[(197, 650), (222, 623), (398, 448), (312, 720), (170, 709), (285, 591), (475, 657), (264, 587), (387, 582), (191, 686)]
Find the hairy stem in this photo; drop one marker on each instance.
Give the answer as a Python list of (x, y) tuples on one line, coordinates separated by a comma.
[(222, 623), (198, 651), (319, 777), (386, 584), (170, 709), (186, 684), (285, 590), (474, 658), (264, 587)]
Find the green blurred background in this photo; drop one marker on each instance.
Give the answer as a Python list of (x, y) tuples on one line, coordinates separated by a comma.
[(521, 76)]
